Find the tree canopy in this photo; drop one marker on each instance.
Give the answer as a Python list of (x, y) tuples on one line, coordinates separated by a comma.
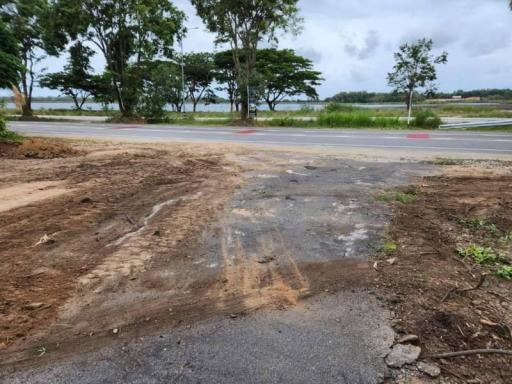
[(10, 64), (284, 74), (127, 33), (243, 24), (199, 76), (415, 68)]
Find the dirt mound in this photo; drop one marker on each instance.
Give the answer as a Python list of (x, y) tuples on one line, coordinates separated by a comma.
[(37, 149), (457, 231)]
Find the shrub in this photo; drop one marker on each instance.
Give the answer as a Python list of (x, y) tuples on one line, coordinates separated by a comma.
[(6, 135), (356, 119), (505, 272), (425, 118), (337, 107)]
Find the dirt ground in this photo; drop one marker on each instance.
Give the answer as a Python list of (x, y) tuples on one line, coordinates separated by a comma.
[(65, 223), (106, 241), (425, 286)]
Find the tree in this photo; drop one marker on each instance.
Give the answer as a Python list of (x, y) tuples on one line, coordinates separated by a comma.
[(10, 64), (225, 75), (29, 20), (415, 68), (243, 24), (127, 33), (286, 74), (199, 76), (76, 80)]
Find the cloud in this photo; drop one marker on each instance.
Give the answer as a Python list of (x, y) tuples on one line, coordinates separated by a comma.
[(368, 48)]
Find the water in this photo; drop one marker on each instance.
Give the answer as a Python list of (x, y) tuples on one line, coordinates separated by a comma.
[(223, 107)]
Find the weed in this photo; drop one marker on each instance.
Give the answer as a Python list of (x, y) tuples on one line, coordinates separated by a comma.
[(425, 118), (480, 224), (399, 197), (479, 254), (505, 272), (389, 247), (8, 136)]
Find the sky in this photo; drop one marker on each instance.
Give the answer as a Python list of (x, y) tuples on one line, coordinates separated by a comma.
[(352, 41)]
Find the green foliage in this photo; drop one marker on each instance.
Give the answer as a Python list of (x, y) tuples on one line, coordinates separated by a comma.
[(480, 255), (128, 33), (285, 74), (389, 247), (76, 81), (399, 197), (357, 119), (199, 76), (10, 64), (337, 107), (505, 272), (244, 24), (415, 68), (477, 223), (7, 135), (425, 118)]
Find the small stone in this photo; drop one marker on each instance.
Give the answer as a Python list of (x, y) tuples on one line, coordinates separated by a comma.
[(115, 331), (407, 339), (392, 261), (33, 306), (402, 354), (233, 316), (429, 369)]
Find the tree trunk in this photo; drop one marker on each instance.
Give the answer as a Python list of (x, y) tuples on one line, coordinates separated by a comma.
[(244, 112), (271, 106), (26, 109)]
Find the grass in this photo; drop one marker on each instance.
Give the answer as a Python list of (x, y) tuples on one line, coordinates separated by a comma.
[(505, 272), (474, 111), (480, 255), (398, 197), (480, 224)]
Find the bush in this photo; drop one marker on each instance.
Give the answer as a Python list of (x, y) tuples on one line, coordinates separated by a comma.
[(6, 135), (337, 107), (357, 119), (425, 118)]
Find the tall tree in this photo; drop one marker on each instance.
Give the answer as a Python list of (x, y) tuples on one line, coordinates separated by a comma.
[(286, 74), (76, 81), (127, 33), (225, 75), (199, 76), (10, 64), (243, 24), (28, 20), (415, 68)]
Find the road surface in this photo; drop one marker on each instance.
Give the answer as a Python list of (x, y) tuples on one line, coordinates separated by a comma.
[(448, 143)]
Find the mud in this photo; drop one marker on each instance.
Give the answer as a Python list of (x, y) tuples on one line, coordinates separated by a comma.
[(38, 149)]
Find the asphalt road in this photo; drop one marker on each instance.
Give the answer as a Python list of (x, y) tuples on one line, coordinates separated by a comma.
[(448, 143)]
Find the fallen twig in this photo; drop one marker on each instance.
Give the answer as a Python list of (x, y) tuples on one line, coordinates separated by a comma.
[(453, 290), (449, 355), (130, 220)]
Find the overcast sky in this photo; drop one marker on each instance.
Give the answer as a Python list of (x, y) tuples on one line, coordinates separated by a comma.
[(352, 41)]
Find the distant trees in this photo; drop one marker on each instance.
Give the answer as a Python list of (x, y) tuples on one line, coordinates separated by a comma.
[(415, 68), (127, 33), (76, 81), (243, 24), (285, 74), (199, 77), (226, 77), (28, 22)]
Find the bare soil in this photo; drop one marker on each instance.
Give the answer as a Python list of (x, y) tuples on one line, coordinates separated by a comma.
[(37, 149), (428, 234), (65, 232)]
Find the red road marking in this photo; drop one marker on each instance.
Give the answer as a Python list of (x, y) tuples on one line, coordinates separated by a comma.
[(247, 132), (418, 136)]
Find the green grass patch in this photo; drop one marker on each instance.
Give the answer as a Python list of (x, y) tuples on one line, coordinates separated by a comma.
[(480, 255), (480, 224), (398, 197), (505, 272), (389, 247)]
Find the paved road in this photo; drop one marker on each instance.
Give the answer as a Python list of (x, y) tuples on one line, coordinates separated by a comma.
[(448, 143)]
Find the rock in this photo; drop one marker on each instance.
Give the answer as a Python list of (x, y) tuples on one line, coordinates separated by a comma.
[(429, 369), (402, 354), (33, 306), (115, 331), (407, 339), (392, 261), (310, 167)]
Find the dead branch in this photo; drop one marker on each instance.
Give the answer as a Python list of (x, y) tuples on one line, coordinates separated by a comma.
[(449, 355), (453, 290)]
